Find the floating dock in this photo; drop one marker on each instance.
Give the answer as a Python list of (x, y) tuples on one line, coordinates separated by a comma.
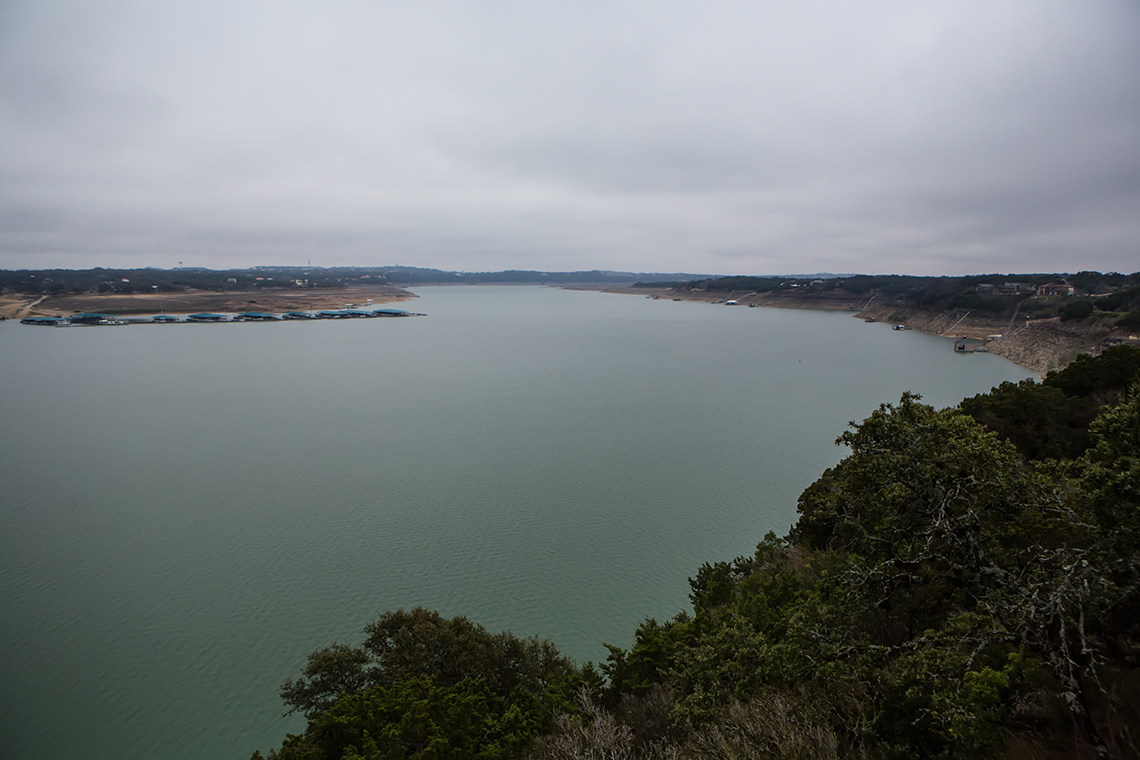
[(256, 316), (92, 318)]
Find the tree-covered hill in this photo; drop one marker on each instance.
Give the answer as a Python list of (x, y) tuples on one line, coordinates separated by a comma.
[(965, 583), (1111, 296), (54, 282)]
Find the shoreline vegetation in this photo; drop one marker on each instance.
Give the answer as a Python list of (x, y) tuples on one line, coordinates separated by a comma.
[(1038, 321), (964, 584)]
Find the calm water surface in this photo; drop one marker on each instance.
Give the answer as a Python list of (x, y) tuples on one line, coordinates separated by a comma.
[(187, 511)]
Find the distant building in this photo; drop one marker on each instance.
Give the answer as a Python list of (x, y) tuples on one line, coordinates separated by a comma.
[(1055, 289), (1016, 287), (986, 287)]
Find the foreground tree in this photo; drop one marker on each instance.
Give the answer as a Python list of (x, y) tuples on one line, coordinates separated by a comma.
[(939, 596), (424, 686)]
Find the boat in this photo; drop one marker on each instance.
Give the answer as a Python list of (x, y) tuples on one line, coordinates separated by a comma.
[(869, 319), (899, 327)]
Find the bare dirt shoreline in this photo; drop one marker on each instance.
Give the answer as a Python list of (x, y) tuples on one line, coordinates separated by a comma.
[(192, 301), (1039, 345)]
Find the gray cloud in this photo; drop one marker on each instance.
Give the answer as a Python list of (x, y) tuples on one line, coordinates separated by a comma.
[(730, 137)]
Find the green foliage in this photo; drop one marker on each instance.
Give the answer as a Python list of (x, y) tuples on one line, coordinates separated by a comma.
[(1077, 309), (909, 464), (426, 686), (755, 284), (1105, 379), (1123, 299), (329, 674), (416, 717), (645, 664), (1130, 321), (421, 642), (1042, 421), (1095, 282), (1110, 475), (1050, 420), (976, 302)]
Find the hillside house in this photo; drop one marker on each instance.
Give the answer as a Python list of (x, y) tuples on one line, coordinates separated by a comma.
[(1055, 289)]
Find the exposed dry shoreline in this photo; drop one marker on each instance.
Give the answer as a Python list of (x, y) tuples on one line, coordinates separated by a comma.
[(191, 301), (1039, 345)]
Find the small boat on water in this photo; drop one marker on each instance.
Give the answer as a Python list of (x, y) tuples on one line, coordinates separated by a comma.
[(899, 327), (869, 319)]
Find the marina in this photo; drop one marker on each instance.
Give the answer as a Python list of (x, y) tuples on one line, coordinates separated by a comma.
[(92, 319)]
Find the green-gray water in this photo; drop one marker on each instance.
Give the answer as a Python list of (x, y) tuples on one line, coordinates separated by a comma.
[(187, 511)]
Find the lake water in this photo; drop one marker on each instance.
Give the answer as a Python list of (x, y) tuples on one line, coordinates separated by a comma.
[(187, 511)]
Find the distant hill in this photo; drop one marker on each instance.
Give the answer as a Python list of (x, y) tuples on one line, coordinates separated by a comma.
[(62, 281)]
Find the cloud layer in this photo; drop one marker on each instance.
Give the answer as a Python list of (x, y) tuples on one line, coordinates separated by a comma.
[(912, 137)]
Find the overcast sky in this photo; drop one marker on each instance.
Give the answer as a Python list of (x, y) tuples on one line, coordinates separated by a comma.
[(734, 138)]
